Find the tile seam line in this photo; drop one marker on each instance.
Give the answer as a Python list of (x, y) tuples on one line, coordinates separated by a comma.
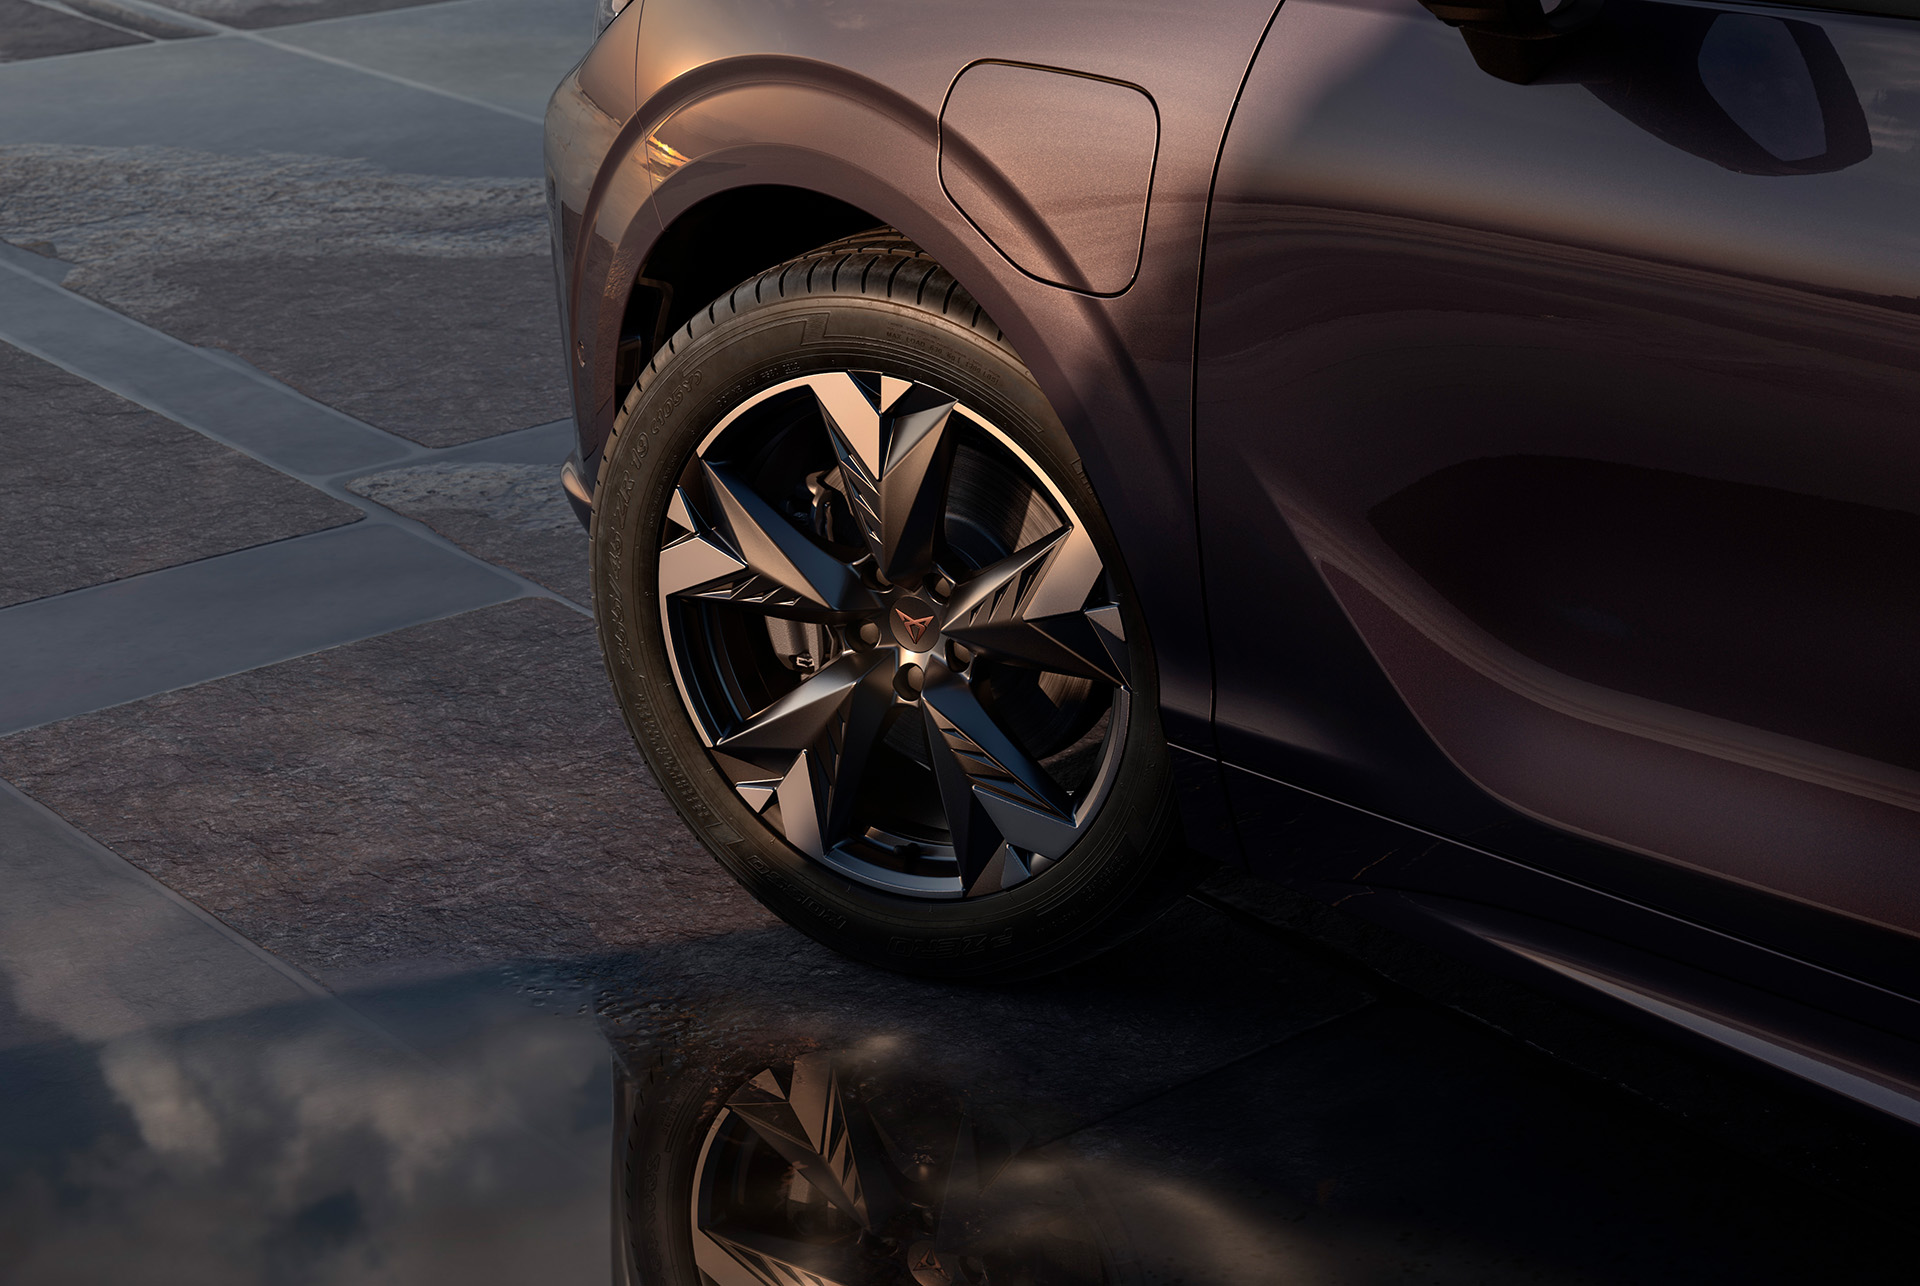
[(268, 665), (240, 370), (293, 973), (340, 1004), (54, 6), (188, 562), (254, 37), (372, 514)]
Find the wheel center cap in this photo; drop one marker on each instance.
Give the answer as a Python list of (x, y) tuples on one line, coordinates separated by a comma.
[(915, 623)]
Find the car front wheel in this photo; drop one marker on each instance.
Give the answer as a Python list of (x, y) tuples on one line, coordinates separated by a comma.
[(865, 620)]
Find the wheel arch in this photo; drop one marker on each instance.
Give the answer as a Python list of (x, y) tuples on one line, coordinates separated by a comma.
[(739, 165)]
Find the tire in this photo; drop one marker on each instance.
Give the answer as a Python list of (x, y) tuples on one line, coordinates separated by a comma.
[(727, 459)]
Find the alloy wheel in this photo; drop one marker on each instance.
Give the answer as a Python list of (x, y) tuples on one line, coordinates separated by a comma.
[(894, 634)]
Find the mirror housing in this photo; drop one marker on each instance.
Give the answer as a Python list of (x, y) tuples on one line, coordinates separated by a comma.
[(1515, 40)]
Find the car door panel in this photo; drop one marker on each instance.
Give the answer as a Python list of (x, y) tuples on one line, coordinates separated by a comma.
[(1593, 401)]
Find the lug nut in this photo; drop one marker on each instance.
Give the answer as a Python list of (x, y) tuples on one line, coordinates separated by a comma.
[(912, 679), (960, 655), (869, 633), (943, 587)]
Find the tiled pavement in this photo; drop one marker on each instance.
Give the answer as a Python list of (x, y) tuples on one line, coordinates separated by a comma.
[(315, 781)]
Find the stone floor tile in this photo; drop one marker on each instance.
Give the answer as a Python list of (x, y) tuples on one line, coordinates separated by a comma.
[(29, 30), (94, 489), (246, 98), (511, 514), (257, 14), (422, 305), (458, 791)]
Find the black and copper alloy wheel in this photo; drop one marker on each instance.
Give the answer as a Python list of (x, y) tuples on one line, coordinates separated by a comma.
[(897, 640), (865, 621)]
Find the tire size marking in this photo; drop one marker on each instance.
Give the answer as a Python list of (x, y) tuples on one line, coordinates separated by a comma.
[(946, 948)]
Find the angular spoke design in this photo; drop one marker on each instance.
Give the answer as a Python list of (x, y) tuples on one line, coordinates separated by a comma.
[(895, 461), (883, 762), (749, 555), (1028, 609), (896, 1212), (831, 723), (749, 1257), (993, 791)]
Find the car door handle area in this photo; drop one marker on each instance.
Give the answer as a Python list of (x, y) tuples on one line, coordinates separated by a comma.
[(1749, 92)]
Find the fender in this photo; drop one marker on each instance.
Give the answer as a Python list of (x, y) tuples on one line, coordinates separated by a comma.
[(722, 102)]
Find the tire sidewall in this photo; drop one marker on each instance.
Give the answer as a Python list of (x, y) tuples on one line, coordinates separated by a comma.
[(675, 406)]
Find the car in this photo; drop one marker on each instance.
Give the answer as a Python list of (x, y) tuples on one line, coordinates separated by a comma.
[(1454, 460)]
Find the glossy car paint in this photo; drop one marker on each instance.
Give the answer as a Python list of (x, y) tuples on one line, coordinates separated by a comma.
[(1070, 203), (1544, 443), (1605, 445)]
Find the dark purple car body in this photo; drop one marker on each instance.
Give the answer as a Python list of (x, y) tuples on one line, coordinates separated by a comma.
[(1517, 456)]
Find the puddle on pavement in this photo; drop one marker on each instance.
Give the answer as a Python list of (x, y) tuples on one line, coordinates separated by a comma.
[(483, 1128), (440, 1133)]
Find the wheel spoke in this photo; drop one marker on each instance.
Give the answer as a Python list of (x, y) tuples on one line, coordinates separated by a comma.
[(824, 1134), (993, 791), (896, 458), (752, 556), (831, 724), (1028, 609), (750, 1257)]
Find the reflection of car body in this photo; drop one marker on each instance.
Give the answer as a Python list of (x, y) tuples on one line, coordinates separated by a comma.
[(1507, 443)]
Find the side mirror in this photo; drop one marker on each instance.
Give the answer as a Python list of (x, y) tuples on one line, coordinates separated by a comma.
[(1749, 92), (1516, 40)]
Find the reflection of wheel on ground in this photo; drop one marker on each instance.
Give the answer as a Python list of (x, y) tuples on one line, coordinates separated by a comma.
[(866, 621), (827, 1172)]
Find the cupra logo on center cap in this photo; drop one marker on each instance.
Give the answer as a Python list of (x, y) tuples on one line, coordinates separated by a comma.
[(916, 625)]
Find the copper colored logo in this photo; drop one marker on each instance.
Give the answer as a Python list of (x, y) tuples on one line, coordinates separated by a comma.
[(916, 625)]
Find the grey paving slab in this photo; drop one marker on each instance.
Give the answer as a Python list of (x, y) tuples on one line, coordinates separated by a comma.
[(94, 489), (135, 16), (273, 13), (420, 304), (36, 258), (459, 791), (201, 389), (114, 643), (439, 350), (184, 1108), (542, 444), (242, 97), (29, 30), (510, 52), (92, 949), (507, 513)]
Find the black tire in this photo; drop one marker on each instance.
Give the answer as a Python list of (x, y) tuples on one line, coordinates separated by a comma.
[(873, 303)]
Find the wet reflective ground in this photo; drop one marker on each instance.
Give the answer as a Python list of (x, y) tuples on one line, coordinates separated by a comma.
[(1214, 1107), (345, 939)]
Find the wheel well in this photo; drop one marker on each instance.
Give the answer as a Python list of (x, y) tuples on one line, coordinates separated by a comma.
[(715, 246)]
